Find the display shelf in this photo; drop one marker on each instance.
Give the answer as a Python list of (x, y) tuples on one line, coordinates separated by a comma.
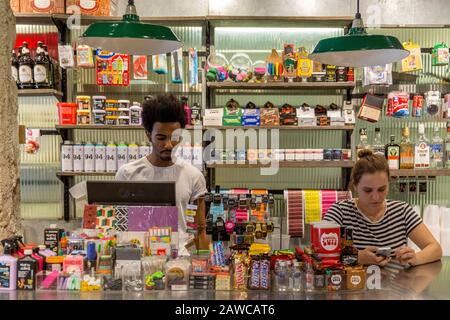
[(281, 85), (39, 92), (286, 164), (420, 173), (106, 127), (83, 174), (343, 128), (34, 18)]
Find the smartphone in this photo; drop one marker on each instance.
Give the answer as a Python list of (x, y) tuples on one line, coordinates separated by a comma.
[(384, 251)]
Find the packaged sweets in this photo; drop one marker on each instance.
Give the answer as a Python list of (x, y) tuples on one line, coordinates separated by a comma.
[(433, 103), (413, 62), (398, 104), (378, 75), (440, 55), (240, 272)]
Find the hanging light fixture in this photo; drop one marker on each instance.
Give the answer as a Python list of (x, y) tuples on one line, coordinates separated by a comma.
[(359, 49), (130, 36)]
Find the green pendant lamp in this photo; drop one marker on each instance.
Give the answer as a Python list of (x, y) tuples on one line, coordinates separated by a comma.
[(359, 49), (130, 36)]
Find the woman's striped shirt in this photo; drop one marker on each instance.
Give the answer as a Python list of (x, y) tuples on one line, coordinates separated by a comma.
[(391, 231)]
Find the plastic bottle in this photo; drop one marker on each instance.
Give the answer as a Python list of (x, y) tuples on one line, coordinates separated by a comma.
[(26, 271), (136, 114), (8, 267), (18, 246), (122, 154), (35, 254)]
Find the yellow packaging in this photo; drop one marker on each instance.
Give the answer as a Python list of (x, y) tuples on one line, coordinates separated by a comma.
[(413, 62), (304, 64)]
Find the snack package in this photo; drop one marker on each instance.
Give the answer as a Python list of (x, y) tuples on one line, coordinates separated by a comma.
[(240, 271), (177, 66), (232, 113), (371, 107), (32, 145), (274, 67), (193, 67), (380, 75), (159, 64), (433, 103), (269, 115), (398, 104), (140, 68), (85, 58), (413, 62), (289, 62), (304, 64), (66, 58), (440, 55)]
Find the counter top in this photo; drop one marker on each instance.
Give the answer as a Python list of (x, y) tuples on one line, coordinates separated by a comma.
[(430, 281)]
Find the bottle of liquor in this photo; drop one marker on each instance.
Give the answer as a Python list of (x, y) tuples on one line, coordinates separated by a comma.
[(14, 66), (422, 150), (41, 67), (378, 146), (406, 151), (392, 153), (437, 150), (447, 147), (363, 141), (349, 253), (51, 76), (25, 68)]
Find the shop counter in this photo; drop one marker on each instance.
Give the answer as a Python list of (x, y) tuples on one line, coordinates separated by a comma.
[(430, 281)]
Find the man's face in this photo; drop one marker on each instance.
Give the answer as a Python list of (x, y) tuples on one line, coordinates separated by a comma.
[(164, 139)]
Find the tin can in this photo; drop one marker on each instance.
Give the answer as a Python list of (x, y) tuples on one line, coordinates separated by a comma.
[(337, 154), (98, 102), (111, 157), (67, 156), (327, 154), (325, 238), (99, 116), (133, 152), (144, 150), (100, 157), (78, 157), (84, 102), (122, 154), (417, 106), (89, 157)]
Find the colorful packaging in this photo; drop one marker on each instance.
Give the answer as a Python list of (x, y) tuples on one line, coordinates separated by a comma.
[(240, 272), (413, 62), (378, 75), (274, 67), (417, 106), (440, 55), (85, 58), (177, 66), (140, 68), (398, 104), (193, 67), (289, 62), (304, 64), (159, 64), (433, 103)]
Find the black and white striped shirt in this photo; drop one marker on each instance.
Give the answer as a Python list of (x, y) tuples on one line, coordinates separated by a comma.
[(391, 231)]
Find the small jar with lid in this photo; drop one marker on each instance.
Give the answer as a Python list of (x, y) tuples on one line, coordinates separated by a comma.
[(335, 279), (123, 112), (124, 121), (136, 114), (98, 102), (355, 278), (111, 103), (125, 104), (83, 117), (111, 120), (99, 116), (112, 112), (83, 102)]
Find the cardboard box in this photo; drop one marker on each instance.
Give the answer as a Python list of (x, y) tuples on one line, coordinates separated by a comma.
[(15, 5), (42, 6), (90, 7)]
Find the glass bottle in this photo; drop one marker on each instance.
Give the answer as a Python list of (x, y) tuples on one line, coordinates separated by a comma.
[(349, 254), (25, 68), (41, 67), (309, 276), (422, 150), (437, 150), (296, 276), (447, 147), (281, 276), (392, 153), (51, 70), (406, 151), (14, 66), (378, 145), (363, 141)]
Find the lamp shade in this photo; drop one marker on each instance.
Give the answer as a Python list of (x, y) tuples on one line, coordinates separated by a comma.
[(131, 36), (359, 49)]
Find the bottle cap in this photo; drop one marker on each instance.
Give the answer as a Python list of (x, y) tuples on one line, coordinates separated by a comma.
[(28, 252)]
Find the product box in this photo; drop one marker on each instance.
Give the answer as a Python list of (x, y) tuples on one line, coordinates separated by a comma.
[(41, 6), (15, 5), (91, 7), (269, 117)]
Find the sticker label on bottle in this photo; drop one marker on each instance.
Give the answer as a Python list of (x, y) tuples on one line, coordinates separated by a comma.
[(5, 275), (89, 5), (14, 73), (89, 158), (122, 156), (78, 158), (67, 158), (42, 5), (336, 279), (111, 158), (143, 151), (100, 158), (40, 74), (133, 153), (355, 280), (422, 156), (25, 275), (393, 158), (25, 74)]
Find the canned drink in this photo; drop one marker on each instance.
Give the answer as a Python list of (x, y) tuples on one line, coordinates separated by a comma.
[(133, 152), (122, 154), (67, 156), (144, 150), (89, 157), (78, 157), (417, 106), (111, 157), (100, 157)]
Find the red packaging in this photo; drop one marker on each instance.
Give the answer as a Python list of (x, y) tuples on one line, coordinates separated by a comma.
[(417, 106), (67, 112), (325, 239)]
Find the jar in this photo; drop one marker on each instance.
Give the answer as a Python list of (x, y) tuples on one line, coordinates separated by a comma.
[(112, 111), (125, 104), (335, 280), (111, 104), (98, 102), (123, 112), (327, 154), (355, 278), (346, 154), (319, 280), (124, 121), (337, 154), (136, 114), (83, 102), (83, 117), (111, 120), (99, 116), (281, 276), (341, 74), (297, 275)]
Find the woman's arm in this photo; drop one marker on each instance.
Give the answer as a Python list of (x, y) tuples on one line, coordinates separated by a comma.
[(430, 249)]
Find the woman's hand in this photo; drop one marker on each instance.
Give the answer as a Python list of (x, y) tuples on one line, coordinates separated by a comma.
[(368, 257), (406, 255)]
